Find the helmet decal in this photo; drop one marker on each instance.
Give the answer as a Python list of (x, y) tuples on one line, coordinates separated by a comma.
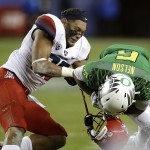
[(125, 81)]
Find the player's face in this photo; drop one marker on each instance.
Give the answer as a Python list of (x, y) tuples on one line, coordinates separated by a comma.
[(74, 31)]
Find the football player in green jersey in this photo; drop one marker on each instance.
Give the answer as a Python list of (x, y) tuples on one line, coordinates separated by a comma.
[(119, 82)]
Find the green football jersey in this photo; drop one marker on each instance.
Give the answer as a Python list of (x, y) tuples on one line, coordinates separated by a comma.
[(127, 59)]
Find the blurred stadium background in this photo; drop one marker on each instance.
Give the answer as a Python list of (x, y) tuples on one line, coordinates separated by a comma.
[(110, 22)]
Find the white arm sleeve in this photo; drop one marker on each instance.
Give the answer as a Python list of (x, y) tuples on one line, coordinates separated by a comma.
[(78, 73)]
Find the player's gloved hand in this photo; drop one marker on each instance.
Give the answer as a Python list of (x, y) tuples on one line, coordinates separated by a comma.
[(97, 135), (95, 99), (88, 121), (71, 81)]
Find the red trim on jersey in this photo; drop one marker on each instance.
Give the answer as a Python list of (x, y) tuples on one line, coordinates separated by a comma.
[(46, 23)]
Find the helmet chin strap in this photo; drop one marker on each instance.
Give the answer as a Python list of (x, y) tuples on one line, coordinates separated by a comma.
[(90, 116), (85, 104)]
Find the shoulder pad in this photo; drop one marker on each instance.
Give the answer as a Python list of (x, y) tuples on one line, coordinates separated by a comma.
[(117, 47)]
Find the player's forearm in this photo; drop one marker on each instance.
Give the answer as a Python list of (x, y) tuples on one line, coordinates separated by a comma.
[(83, 86), (46, 68)]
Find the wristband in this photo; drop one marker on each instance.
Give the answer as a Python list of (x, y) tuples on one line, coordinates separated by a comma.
[(67, 72)]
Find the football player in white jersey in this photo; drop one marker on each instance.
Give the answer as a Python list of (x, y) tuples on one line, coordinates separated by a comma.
[(48, 49)]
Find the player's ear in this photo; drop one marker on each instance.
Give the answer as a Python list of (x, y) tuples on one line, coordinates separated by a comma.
[(64, 21)]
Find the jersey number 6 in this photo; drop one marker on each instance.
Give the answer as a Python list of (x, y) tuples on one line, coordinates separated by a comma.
[(133, 56)]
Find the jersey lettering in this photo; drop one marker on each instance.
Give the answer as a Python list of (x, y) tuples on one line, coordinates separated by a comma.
[(124, 68), (85, 74), (133, 56)]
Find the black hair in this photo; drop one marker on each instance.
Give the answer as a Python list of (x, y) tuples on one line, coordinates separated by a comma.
[(74, 14)]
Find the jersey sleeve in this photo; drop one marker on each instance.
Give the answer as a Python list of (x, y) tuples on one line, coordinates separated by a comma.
[(85, 49), (89, 77), (46, 23)]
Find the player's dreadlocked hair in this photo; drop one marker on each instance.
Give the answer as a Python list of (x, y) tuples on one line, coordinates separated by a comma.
[(74, 14)]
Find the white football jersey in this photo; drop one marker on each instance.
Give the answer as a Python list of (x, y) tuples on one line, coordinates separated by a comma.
[(20, 60)]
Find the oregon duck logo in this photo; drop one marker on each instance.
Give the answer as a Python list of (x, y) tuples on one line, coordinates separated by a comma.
[(125, 81)]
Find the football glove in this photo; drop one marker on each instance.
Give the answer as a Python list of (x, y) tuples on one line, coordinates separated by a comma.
[(95, 135), (88, 121), (107, 131), (116, 136), (71, 81)]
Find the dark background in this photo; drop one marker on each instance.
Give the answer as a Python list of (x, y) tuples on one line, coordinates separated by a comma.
[(106, 18)]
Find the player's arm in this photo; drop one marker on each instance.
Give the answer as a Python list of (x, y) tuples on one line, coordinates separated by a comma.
[(71, 81), (78, 76), (80, 81), (83, 86), (40, 54), (41, 50), (93, 94)]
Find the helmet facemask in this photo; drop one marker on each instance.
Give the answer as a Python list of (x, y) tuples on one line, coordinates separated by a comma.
[(108, 131)]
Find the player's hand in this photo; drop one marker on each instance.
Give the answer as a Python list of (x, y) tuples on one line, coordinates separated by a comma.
[(71, 81), (88, 121), (97, 136)]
